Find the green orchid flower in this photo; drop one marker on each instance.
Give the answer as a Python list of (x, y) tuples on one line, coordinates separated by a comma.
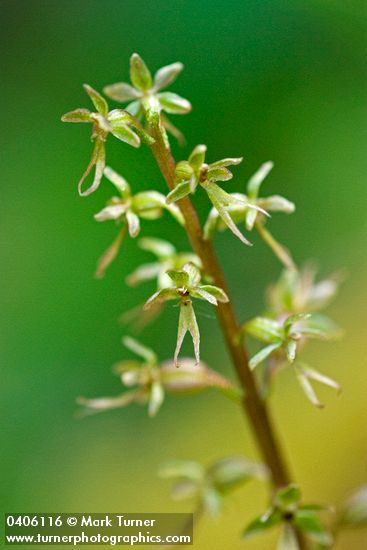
[(127, 210), (285, 337), (187, 285), (243, 211), (116, 122), (194, 171), (148, 380), (145, 93)]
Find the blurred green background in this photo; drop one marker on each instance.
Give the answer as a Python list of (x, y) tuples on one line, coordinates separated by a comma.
[(284, 81)]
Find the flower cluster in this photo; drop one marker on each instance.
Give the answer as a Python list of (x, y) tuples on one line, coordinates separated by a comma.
[(145, 92)]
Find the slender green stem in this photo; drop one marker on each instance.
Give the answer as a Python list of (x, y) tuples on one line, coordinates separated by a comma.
[(253, 405)]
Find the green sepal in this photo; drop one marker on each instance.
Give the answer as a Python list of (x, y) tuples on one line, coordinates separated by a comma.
[(139, 73), (174, 104), (98, 101)]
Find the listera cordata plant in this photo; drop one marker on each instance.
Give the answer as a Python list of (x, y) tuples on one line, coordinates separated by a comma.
[(291, 318)]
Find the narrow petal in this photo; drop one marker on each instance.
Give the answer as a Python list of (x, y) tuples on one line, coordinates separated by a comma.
[(279, 250), (118, 181), (159, 247), (121, 91), (133, 223), (203, 295), (226, 162), (262, 355), (179, 192), (156, 398), (253, 185), (139, 73), (217, 292), (101, 404), (221, 201), (197, 157), (276, 203), (173, 103), (78, 115), (112, 212), (98, 101), (307, 388), (166, 75), (98, 160), (110, 254), (125, 134), (211, 224), (172, 129), (160, 296), (145, 272), (136, 347)]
